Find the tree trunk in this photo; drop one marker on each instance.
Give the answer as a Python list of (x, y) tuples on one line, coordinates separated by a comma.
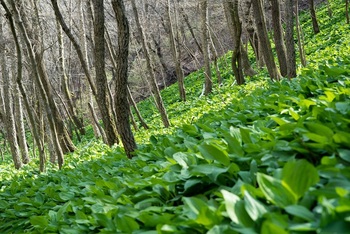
[(236, 31), (264, 42), (299, 35), (315, 26), (9, 120), (330, 12), (175, 53), (121, 98), (347, 11), (208, 86), (290, 45), (278, 37), (152, 79), (102, 96)]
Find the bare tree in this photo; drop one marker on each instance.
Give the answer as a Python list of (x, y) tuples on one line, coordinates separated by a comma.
[(290, 45), (121, 97), (264, 42), (315, 26)]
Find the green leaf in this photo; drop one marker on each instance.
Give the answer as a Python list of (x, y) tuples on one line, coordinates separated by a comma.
[(320, 129), (301, 212), (39, 221), (269, 227), (126, 224), (342, 138), (254, 208), (275, 191), (230, 203), (245, 133), (299, 176), (67, 195), (213, 151), (344, 154), (343, 107)]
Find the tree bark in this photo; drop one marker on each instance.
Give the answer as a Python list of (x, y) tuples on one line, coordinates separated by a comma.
[(278, 37), (175, 53), (299, 35), (347, 11), (315, 26), (264, 42), (290, 45), (152, 79), (121, 98), (102, 96), (208, 85), (9, 120), (236, 31)]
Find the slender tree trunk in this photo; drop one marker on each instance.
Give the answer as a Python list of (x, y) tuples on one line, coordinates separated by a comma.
[(330, 12), (64, 80), (264, 42), (133, 103), (102, 96), (175, 53), (93, 114), (290, 45), (299, 35), (35, 70), (347, 11), (278, 37), (121, 98), (208, 86), (152, 80), (9, 120), (315, 26)]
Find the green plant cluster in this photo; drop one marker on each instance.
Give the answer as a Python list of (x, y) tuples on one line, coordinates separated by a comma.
[(267, 157)]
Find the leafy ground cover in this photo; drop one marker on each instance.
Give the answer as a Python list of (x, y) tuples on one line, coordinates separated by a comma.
[(262, 158)]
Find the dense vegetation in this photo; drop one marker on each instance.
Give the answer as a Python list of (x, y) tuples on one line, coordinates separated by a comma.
[(266, 157)]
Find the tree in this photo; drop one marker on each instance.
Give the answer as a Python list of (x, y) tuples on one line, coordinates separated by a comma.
[(278, 37), (121, 90), (208, 85), (315, 26), (9, 121), (102, 96), (175, 53), (290, 45), (299, 35), (264, 39), (347, 11), (150, 70), (236, 31)]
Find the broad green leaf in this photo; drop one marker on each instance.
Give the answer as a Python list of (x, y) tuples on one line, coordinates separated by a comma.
[(316, 138), (299, 176), (275, 191), (181, 159), (320, 129), (126, 224), (344, 154), (279, 121), (343, 107), (67, 195), (301, 212), (254, 208), (342, 138), (269, 227), (212, 151), (39, 221), (245, 133)]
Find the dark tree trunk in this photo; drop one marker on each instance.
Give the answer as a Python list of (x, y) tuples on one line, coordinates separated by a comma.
[(315, 26), (102, 96), (121, 98)]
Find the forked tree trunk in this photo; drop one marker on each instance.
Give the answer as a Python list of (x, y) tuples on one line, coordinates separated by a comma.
[(264, 42), (208, 85), (236, 31), (290, 45), (315, 26), (278, 37), (150, 70)]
